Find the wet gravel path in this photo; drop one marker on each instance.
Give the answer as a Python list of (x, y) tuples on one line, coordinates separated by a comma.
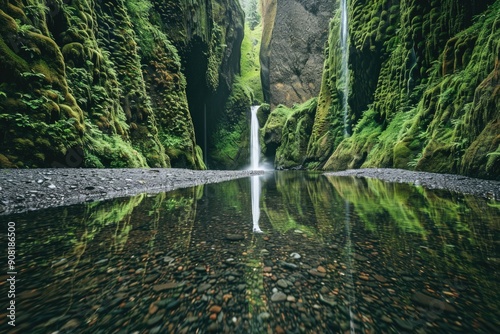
[(32, 189), (457, 183)]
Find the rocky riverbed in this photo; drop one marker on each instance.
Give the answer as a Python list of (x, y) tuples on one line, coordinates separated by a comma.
[(31, 189), (457, 183)]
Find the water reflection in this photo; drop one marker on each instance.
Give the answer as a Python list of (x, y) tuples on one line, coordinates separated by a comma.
[(337, 255), (255, 190)]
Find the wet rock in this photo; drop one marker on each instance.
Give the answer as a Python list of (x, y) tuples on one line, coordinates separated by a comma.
[(235, 237), (151, 278), (405, 325), (204, 287), (71, 324), (380, 278), (167, 286), (327, 300), (295, 256), (287, 265), (359, 257), (433, 303), (278, 297), (264, 316), (316, 273), (215, 309), (154, 320), (168, 259), (282, 283)]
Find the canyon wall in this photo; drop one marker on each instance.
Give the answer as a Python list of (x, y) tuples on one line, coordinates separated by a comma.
[(295, 32), (119, 83), (423, 90)]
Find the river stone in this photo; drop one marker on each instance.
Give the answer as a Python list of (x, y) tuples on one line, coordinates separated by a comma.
[(166, 286), (315, 272), (433, 303), (264, 316), (71, 324), (359, 257), (289, 265), (278, 297), (235, 237), (154, 320), (282, 283), (406, 325), (380, 278), (215, 309), (204, 287)]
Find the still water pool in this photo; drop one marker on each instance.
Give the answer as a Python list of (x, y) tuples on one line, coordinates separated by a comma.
[(325, 255)]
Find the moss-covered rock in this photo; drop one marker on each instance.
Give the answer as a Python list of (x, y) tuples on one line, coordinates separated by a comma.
[(286, 134), (423, 89), (105, 81), (231, 138), (295, 136)]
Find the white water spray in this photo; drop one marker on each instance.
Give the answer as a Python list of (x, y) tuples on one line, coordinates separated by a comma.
[(344, 45)]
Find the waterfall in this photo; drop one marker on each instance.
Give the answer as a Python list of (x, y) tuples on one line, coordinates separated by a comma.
[(344, 46), (254, 139)]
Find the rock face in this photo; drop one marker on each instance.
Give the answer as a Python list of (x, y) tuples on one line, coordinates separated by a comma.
[(424, 89), (118, 83), (295, 32)]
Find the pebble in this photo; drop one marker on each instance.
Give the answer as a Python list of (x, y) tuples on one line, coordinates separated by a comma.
[(295, 256), (433, 303), (154, 320), (264, 316), (316, 273), (215, 309), (166, 286), (282, 283), (289, 265), (278, 297), (235, 237)]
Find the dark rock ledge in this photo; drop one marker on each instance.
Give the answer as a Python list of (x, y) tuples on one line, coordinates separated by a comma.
[(489, 189), (32, 189)]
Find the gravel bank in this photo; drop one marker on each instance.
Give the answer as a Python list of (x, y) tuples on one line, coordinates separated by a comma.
[(32, 189), (456, 183)]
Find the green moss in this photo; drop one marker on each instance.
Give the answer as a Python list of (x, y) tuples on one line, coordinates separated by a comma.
[(295, 134), (231, 148)]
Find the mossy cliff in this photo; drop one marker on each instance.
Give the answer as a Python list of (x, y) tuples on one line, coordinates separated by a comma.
[(424, 89), (112, 83)]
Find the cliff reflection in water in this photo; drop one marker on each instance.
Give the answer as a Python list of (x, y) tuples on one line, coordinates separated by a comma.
[(335, 254)]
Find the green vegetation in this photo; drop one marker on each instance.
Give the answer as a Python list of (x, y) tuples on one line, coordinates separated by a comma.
[(232, 134), (250, 64), (109, 74), (427, 105)]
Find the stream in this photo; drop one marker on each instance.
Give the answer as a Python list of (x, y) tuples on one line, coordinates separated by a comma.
[(325, 255)]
